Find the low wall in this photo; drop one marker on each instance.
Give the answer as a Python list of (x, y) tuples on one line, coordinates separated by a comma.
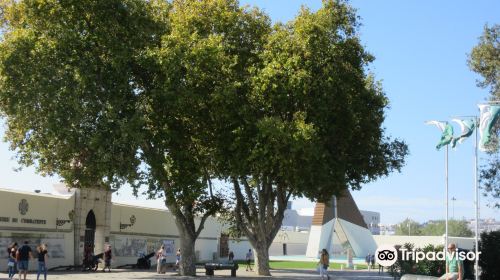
[(422, 241)]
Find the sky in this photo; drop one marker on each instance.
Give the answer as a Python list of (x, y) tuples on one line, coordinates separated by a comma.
[(421, 51)]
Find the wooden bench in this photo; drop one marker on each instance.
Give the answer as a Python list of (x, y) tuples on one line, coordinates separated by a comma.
[(211, 267)]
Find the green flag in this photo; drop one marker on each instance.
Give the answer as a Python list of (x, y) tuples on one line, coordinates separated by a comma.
[(466, 127), (447, 135), (489, 115)]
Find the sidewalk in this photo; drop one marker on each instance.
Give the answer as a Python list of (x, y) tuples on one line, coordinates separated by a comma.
[(289, 274)]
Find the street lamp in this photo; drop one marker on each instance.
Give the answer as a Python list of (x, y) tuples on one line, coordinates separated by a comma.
[(453, 207)]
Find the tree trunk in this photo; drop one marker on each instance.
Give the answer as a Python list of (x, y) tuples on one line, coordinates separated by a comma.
[(185, 222), (258, 219), (262, 259), (188, 256)]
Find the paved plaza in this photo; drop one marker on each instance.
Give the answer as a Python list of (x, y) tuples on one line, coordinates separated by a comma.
[(289, 274)]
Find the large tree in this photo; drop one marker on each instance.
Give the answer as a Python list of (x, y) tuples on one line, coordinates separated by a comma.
[(201, 65), (67, 85), (485, 61), (310, 125), (109, 92)]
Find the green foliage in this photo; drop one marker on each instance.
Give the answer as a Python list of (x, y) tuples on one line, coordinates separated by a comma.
[(431, 267), (172, 95), (408, 227), (490, 179), (457, 228), (309, 121), (490, 257), (485, 61), (67, 85), (423, 267), (401, 267)]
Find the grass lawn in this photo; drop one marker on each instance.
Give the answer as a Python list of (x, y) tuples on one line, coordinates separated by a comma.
[(297, 265), (306, 265)]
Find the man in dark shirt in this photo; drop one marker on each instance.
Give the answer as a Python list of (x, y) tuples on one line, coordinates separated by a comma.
[(107, 258), (24, 257)]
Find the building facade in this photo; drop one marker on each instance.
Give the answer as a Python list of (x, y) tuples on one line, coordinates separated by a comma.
[(372, 221), (67, 223)]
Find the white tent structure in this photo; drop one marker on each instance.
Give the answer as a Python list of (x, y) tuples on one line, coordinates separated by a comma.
[(339, 228)]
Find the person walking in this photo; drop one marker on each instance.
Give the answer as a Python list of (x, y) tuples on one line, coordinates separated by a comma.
[(87, 257), (161, 260), (177, 259), (248, 258), (231, 257), (324, 262), (108, 256), (42, 261), (372, 260), (24, 255), (11, 264)]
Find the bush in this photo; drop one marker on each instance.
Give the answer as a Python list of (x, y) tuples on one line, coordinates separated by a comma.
[(431, 268), (489, 260), (423, 267)]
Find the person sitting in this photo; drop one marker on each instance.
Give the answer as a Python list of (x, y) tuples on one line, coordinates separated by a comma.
[(454, 266)]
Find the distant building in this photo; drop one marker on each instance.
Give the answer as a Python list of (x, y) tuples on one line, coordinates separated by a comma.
[(387, 229), (372, 220), (485, 225), (295, 222)]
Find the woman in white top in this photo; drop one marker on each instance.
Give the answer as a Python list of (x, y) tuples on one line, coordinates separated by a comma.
[(161, 259)]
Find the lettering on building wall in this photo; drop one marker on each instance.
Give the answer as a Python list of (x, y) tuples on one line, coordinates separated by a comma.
[(33, 221), (28, 221)]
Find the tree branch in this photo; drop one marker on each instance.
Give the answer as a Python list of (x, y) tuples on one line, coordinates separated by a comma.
[(251, 201)]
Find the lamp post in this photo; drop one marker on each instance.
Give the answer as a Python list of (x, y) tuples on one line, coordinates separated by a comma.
[(453, 207)]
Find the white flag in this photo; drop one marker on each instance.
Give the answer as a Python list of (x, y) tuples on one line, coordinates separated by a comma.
[(489, 115), (466, 129)]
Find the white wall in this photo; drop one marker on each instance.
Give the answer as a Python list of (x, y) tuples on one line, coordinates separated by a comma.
[(422, 241)]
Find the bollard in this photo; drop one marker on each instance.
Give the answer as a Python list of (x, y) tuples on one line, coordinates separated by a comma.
[(341, 267), (354, 267)]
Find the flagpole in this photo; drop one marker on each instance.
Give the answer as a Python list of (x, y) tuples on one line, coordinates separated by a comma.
[(476, 193), (446, 178)]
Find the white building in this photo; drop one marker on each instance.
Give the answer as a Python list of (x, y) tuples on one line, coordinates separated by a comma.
[(372, 221)]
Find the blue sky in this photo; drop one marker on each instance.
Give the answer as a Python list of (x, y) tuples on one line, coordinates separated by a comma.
[(421, 49)]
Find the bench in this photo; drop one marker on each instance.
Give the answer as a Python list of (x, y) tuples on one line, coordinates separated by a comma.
[(210, 267)]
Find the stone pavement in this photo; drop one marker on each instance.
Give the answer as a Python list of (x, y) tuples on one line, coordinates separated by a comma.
[(288, 274)]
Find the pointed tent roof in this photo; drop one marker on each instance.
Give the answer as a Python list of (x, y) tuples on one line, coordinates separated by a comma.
[(346, 208)]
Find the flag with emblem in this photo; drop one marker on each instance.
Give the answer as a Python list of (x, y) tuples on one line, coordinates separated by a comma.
[(489, 115)]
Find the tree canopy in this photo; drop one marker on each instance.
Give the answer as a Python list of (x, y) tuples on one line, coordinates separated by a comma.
[(456, 228), (485, 61), (174, 94), (311, 123)]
